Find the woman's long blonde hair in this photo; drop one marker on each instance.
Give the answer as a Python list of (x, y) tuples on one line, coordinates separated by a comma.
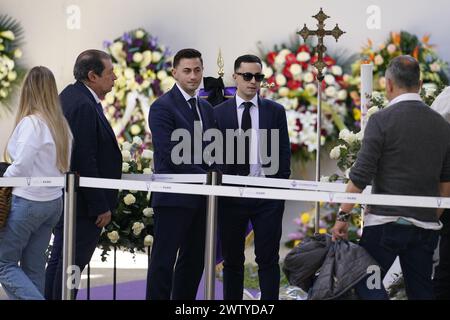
[(39, 96)]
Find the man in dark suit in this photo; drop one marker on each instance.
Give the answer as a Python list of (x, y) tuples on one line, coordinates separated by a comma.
[(247, 111), (180, 219), (95, 154)]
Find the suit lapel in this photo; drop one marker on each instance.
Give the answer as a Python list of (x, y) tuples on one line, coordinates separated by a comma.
[(182, 105)]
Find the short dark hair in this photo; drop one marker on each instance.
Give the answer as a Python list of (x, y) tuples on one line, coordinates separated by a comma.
[(89, 60), (250, 58), (187, 53), (404, 71)]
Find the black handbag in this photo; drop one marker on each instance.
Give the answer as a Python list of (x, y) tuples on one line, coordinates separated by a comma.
[(5, 197)]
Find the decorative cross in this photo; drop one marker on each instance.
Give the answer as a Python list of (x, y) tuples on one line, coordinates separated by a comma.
[(320, 33)]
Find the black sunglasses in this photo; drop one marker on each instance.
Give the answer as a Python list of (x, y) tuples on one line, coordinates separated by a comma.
[(247, 76)]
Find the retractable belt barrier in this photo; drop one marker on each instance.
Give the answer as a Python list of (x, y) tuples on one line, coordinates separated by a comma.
[(208, 185)]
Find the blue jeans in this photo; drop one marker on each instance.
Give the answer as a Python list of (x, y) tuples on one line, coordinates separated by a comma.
[(413, 245), (25, 239)]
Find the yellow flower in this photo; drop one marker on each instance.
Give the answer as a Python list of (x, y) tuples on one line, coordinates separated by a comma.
[(305, 218), (322, 230), (356, 114), (296, 242)]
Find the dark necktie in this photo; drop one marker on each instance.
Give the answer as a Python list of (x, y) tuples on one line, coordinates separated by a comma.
[(246, 124), (193, 103)]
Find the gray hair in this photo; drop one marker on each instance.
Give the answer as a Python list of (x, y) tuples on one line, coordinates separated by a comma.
[(404, 71)]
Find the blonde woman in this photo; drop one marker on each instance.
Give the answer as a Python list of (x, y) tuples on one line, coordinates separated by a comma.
[(38, 147)]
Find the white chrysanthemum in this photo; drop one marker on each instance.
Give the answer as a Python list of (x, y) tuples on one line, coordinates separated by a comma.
[(342, 95), (336, 70), (129, 199), (335, 153), (280, 80), (125, 167), (128, 73), (311, 88), (113, 236), (126, 155), (161, 75), (137, 57), (156, 57), (308, 77), (147, 171), (331, 91), (329, 79), (295, 69)]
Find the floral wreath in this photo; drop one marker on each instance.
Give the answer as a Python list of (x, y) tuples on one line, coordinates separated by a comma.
[(11, 73), (290, 72), (142, 67), (433, 69)]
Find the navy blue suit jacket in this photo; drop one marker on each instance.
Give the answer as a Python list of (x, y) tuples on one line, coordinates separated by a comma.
[(168, 113), (271, 116), (95, 151)]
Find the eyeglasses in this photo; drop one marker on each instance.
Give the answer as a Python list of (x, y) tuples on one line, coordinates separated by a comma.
[(247, 76)]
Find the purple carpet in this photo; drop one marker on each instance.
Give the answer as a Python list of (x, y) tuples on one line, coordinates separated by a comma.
[(135, 290)]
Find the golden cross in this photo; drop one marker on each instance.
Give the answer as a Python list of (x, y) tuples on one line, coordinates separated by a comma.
[(320, 33)]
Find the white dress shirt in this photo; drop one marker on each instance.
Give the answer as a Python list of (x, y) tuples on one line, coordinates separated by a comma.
[(33, 152), (255, 160)]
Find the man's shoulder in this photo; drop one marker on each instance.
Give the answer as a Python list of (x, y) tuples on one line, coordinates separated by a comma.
[(267, 103), (72, 95)]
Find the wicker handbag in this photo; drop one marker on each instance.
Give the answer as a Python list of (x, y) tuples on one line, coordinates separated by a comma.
[(5, 197)]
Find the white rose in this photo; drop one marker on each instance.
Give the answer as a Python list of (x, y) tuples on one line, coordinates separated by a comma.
[(145, 84), (342, 95), (329, 79), (137, 57), (18, 53), (343, 134), (280, 80), (335, 153), (308, 77), (268, 72), (167, 84), (336, 70), (126, 155), (129, 73), (303, 56), (126, 146), (148, 212), (279, 61), (295, 69), (311, 88), (113, 236), (137, 140), (135, 129), (137, 228), (351, 138), (371, 111), (147, 171), (139, 34), (156, 56), (435, 67), (161, 75), (283, 92), (391, 48), (129, 199), (378, 60), (284, 52), (12, 75), (109, 97), (125, 167), (148, 240), (147, 154), (331, 91), (146, 58)]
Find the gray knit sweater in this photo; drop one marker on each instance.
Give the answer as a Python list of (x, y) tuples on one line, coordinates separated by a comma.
[(405, 151)]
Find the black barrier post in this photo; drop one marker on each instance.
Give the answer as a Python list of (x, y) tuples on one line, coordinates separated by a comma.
[(70, 196), (214, 178)]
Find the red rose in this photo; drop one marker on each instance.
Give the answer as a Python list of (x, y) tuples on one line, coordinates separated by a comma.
[(271, 57), (290, 59), (287, 73), (329, 61), (303, 48), (293, 84)]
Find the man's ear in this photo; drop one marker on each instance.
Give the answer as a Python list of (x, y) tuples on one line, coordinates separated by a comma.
[(92, 76), (234, 76), (174, 72), (420, 85)]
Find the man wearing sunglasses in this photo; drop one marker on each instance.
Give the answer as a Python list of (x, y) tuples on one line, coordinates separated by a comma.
[(248, 112)]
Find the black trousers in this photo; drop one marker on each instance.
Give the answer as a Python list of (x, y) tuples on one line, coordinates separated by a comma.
[(87, 236), (441, 279), (266, 217), (176, 231)]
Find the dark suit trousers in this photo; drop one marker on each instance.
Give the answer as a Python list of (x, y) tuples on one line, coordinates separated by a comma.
[(266, 217), (87, 236), (182, 231)]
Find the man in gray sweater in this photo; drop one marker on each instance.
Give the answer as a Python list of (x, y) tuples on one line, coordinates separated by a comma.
[(405, 151)]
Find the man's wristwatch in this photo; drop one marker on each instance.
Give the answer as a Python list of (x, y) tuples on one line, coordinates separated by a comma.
[(343, 216)]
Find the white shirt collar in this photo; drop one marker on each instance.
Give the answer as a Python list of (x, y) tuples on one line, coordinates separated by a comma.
[(185, 94), (240, 101), (405, 97), (93, 94)]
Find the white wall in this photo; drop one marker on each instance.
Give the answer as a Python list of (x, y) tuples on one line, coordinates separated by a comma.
[(235, 26)]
